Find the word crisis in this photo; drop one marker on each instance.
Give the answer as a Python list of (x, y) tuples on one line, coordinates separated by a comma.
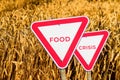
[(60, 39), (87, 47)]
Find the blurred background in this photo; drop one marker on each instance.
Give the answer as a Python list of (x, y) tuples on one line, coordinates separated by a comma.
[(22, 57)]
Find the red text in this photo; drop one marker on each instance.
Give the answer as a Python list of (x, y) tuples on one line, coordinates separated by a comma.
[(59, 39), (87, 47)]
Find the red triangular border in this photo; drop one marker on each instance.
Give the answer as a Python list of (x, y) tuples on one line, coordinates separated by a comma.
[(90, 66), (47, 46)]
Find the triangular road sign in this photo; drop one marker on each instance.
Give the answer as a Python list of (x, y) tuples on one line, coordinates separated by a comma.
[(60, 37), (89, 48)]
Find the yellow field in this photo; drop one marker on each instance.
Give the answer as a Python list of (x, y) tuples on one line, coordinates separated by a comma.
[(23, 58)]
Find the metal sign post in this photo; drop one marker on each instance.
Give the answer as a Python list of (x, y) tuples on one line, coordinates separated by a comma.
[(62, 74), (89, 77)]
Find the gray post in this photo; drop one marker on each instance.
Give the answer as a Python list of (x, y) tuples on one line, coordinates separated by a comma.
[(89, 75), (62, 74)]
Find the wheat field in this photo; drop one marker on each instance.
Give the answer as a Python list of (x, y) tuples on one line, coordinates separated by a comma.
[(22, 57)]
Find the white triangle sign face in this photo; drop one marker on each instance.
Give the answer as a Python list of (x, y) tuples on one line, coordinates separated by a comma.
[(60, 37), (89, 48)]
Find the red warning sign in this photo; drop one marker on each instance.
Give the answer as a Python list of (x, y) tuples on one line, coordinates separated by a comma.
[(60, 37), (89, 48)]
